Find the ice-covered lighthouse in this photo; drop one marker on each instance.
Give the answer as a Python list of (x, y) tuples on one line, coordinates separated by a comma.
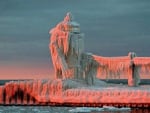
[(67, 47), (70, 61)]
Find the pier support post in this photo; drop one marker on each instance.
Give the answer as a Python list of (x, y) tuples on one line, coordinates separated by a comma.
[(133, 76)]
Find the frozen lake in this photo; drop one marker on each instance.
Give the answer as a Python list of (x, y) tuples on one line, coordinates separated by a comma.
[(49, 109)]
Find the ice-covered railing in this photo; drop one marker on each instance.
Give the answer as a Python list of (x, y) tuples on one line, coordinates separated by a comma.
[(143, 63), (112, 67)]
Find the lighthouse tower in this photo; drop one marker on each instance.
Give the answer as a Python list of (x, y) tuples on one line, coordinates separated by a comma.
[(66, 47)]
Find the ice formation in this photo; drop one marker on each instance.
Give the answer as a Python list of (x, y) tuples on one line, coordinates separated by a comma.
[(66, 47), (71, 62), (61, 92), (97, 109), (77, 76)]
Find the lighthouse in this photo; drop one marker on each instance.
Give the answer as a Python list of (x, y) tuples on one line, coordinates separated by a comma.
[(66, 47)]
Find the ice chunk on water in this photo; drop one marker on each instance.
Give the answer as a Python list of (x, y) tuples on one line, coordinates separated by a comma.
[(111, 108), (97, 109), (85, 109)]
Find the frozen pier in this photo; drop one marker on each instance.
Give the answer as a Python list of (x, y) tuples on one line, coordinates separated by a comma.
[(72, 93)]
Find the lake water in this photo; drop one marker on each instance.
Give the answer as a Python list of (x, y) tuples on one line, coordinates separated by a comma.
[(48, 109)]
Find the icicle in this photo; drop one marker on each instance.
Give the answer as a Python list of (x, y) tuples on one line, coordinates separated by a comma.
[(66, 43), (112, 66), (143, 63)]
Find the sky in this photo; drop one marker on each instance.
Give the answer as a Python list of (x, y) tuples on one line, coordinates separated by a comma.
[(111, 28)]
